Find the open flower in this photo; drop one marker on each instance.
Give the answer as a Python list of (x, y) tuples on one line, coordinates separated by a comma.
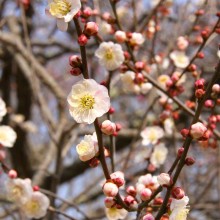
[(88, 100), (151, 135), (7, 136), (18, 190), (36, 206), (88, 147), (3, 110), (110, 55), (136, 39), (64, 11), (115, 214), (180, 59)]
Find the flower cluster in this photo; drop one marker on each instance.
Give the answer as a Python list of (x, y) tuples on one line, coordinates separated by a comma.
[(34, 204)]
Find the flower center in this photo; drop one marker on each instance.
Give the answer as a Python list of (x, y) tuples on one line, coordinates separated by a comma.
[(60, 7), (109, 55), (3, 136), (17, 191), (33, 206), (182, 214), (87, 102)]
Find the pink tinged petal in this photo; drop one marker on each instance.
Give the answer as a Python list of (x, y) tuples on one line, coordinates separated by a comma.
[(62, 25), (47, 12)]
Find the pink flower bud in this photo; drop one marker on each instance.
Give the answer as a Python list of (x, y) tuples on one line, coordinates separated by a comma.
[(148, 216), (158, 201), (94, 162), (109, 202), (199, 93), (164, 179), (182, 43), (12, 174), (189, 161), (209, 103), (91, 29), (178, 193), (216, 88), (199, 84), (75, 61), (111, 110), (110, 189), (82, 40), (139, 78), (75, 71), (108, 127), (184, 132), (197, 130), (118, 127), (146, 194), (36, 188), (120, 36), (139, 65), (118, 178), (131, 191), (129, 200), (87, 12), (180, 151)]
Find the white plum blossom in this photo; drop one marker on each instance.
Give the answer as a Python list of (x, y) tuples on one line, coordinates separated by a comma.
[(159, 155), (164, 179), (162, 80), (63, 10), (110, 55), (218, 53), (37, 205), (151, 135), (88, 100), (180, 59), (3, 109), (128, 84), (7, 136), (115, 214), (168, 126), (136, 39), (88, 147), (18, 190), (105, 28), (178, 208)]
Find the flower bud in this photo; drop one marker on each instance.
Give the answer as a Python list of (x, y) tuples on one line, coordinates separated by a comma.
[(12, 174), (189, 161), (139, 78), (158, 201), (200, 83), (131, 191), (110, 189), (197, 130), (36, 188), (75, 71), (118, 127), (139, 65), (75, 61), (82, 40), (199, 93), (184, 132), (87, 12), (146, 194), (180, 151), (148, 216), (91, 29), (216, 88), (109, 202), (120, 36), (178, 193), (118, 178), (200, 55), (111, 110), (209, 103), (164, 179), (108, 127), (129, 200), (94, 162)]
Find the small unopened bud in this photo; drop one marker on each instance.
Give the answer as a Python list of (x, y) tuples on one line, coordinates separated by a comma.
[(216, 88), (139, 78), (108, 127), (178, 193), (189, 161), (82, 40), (158, 201), (146, 194), (180, 151), (209, 103), (75, 71), (109, 202), (197, 130), (87, 12), (94, 162), (199, 93), (131, 191), (110, 189), (204, 34), (192, 67), (111, 110), (200, 12), (164, 179), (12, 174), (184, 132), (200, 83), (120, 36), (75, 61), (139, 65), (200, 55), (91, 29), (148, 216), (118, 127), (118, 178), (129, 200), (36, 188)]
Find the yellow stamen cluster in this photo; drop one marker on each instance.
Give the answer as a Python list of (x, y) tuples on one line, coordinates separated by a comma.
[(60, 8), (109, 54), (87, 102), (33, 206)]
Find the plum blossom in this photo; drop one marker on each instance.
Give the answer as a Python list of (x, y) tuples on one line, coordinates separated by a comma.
[(3, 109), (115, 214), (36, 207), (180, 59), (110, 55), (88, 147), (7, 136), (151, 135), (108, 127), (18, 190), (136, 39), (168, 126), (159, 155), (110, 189), (129, 85), (63, 10), (182, 43), (164, 179), (178, 208), (198, 130), (88, 100)]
